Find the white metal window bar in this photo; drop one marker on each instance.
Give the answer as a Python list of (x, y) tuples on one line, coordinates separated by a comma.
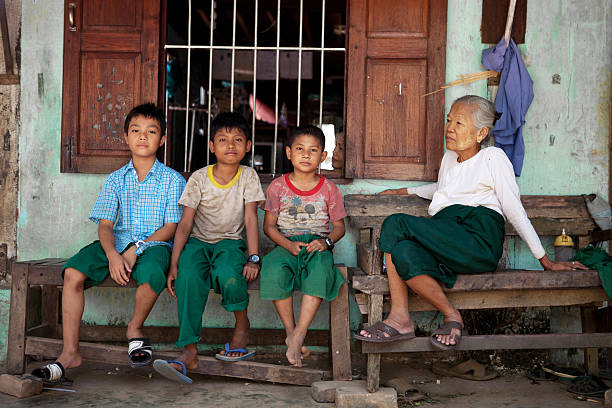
[(255, 48)]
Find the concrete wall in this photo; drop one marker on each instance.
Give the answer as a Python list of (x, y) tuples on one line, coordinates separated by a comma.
[(566, 134)]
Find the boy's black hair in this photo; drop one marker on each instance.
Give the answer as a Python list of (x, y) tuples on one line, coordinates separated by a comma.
[(229, 120), (310, 130), (148, 110)]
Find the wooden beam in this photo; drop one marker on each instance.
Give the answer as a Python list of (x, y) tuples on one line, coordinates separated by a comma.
[(548, 214), (500, 280), (15, 360), (49, 272), (503, 299), (339, 327), (498, 342), (6, 44), (158, 334), (208, 365)]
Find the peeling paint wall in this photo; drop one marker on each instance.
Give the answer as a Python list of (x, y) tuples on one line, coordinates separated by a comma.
[(569, 38)]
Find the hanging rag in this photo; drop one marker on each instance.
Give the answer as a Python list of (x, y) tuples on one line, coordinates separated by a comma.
[(596, 258), (513, 98)]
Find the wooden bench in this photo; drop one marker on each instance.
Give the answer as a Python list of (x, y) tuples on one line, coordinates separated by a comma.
[(44, 338), (500, 289)]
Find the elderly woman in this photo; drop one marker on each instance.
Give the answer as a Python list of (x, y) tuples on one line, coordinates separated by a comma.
[(475, 193)]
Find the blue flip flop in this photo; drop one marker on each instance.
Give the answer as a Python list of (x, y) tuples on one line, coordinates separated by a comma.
[(164, 368), (246, 354)]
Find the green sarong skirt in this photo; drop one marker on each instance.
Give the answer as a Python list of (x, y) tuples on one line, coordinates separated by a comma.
[(313, 274), (458, 239)]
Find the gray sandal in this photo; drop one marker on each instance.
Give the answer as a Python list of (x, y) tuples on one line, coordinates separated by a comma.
[(377, 332)]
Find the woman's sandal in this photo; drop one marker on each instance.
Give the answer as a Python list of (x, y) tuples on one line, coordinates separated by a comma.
[(140, 353), (377, 334), (445, 329), (53, 373), (589, 386)]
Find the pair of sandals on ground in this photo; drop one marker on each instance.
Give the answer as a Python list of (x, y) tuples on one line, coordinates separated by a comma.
[(140, 354), (381, 332)]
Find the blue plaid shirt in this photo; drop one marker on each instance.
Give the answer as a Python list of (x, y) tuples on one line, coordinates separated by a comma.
[(139, 209)]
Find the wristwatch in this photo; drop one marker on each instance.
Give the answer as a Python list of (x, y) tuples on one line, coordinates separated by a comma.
[(254, 259), (139, 243), (329, 242)]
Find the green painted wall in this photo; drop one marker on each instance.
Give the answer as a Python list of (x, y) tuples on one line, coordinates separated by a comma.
[(566, 135)]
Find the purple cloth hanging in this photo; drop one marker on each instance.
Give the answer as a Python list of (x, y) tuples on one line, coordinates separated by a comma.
[(514, 96)]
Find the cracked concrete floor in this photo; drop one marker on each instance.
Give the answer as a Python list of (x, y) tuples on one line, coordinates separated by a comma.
[(112, 386)]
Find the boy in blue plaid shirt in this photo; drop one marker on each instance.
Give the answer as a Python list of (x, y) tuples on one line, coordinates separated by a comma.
[(137, 213)]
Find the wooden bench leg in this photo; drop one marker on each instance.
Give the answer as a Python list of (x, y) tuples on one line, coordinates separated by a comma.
[(339, 330), (591, 355), (373, 367), (17, 320), (50, 309)]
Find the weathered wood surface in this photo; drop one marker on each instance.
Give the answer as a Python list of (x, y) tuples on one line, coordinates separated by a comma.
[(208, 365), (15, 360), (498, 342), (49, 272), (486, 299), (591, 355), (548, 214), (162, 334), (500, 280), (340, 335), (373, 364)]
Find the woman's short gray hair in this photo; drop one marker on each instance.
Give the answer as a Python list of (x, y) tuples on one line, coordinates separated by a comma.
[(484, 114)]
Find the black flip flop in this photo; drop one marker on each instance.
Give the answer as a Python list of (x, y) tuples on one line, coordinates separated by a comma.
[(444, 330), (377, 332), (140, 353)]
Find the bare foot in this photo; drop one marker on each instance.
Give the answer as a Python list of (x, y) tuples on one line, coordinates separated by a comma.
[(240, 339), (189, 357), (402, 327), (450, 339), (70, 359), (295, 348)]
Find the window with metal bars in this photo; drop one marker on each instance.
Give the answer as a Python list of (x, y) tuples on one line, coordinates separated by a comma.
[(279, 63)]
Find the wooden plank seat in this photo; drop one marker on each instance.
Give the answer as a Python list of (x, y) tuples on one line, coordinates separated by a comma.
[(503, 288), (44, 339)]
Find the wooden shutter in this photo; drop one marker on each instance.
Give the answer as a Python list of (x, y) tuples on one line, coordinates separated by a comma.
[(111, 56), (396, 54)]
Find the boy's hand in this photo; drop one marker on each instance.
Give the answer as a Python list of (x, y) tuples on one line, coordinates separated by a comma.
[(250, 271), (131, 257), (172, 275), (294, 247), (117, 266), (316, 245)]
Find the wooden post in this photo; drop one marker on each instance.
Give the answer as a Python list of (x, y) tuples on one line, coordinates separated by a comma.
[(373, 368), (377, 255), (591, 363), (339, 331), (15, 360)]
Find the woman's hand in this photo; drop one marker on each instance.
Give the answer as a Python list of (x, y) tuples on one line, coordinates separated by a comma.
[(394, 191), (549, 265)]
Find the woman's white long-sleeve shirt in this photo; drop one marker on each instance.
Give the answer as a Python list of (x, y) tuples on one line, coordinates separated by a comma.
[(485, 179)]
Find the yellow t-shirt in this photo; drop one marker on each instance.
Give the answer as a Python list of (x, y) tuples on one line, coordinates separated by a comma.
[(220, 208)]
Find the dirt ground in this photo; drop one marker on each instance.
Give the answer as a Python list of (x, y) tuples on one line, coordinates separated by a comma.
[(113, 386)]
